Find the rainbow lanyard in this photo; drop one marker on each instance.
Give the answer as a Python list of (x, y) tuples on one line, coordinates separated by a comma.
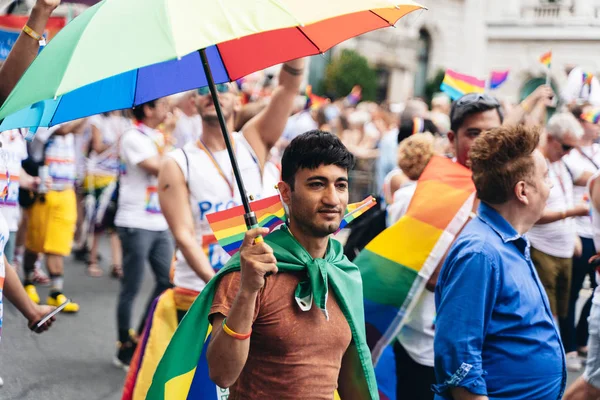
[(210, 155)]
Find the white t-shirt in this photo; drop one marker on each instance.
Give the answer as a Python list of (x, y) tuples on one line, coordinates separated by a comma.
[(138, 194), (3, 239), (298, 124), (209, 193), (588, 161), (402, 198), (13, 152), (111, 127), (416, 336), (188, 129), (60, 159), (557, 238)]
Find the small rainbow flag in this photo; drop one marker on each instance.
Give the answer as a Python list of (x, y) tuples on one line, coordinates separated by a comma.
[(229, 225), (592, 116), (314, 101), (546, 59), (355, 210), (587, 78), (497, 78), (457, 85)]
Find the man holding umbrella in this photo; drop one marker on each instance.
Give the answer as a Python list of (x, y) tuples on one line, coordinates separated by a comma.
[(197, 180)]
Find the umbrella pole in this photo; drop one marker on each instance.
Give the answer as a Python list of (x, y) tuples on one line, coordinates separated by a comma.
[(249, 215)]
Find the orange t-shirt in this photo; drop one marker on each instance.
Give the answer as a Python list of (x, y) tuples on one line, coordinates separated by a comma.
[(294, 354)]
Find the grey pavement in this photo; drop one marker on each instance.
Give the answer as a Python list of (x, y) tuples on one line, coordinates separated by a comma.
[(72, 361)]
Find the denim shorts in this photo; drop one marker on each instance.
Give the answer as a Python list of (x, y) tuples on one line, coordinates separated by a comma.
[(592, 366)]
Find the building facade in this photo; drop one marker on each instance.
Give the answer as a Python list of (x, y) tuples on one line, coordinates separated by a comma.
[(477, 36)]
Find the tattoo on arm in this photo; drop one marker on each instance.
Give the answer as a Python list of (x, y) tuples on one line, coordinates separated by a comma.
[(166, 187)]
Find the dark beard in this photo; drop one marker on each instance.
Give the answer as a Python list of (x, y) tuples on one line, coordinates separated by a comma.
[(312, 230)]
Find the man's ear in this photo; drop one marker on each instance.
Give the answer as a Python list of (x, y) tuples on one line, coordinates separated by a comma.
[(451, 136), (285, 191), (521, 192)]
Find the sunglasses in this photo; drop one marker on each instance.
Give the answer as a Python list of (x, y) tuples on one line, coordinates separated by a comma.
[(221, 88), (566, 148)]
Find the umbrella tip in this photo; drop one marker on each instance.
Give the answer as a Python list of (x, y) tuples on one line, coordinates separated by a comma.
[(251, 197)]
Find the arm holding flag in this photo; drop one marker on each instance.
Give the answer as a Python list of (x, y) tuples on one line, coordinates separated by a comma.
[(226, 354), (26, 48)]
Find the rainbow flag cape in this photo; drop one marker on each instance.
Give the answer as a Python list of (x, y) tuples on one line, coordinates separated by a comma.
[(396, 265), (546, 59), (229, 225), (497, 78), (457, 85), (182, 373), (592, 116)]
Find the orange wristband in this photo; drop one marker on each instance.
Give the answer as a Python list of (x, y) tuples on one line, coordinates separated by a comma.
[(32, 33), (234, 334)]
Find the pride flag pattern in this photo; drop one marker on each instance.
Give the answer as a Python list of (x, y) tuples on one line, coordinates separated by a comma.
[(457, 85), (497, 78), (396, 265)]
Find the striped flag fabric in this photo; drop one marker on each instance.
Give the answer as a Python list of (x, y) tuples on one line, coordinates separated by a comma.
[(396, 265), (546, 59), (497, 78), (229, 226), (457, 85)]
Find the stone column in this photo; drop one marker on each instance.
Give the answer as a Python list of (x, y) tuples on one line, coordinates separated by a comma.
[(583, 8), (474, 38)]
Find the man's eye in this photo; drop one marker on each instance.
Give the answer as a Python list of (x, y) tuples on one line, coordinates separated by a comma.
[(315, 185), (342, 186)]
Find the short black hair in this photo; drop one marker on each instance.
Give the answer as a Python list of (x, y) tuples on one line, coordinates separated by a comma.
[(407, 127), (311, 150), (469, 104), (138, 111)]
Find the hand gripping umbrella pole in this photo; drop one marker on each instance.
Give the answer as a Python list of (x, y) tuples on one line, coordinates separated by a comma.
[(249, 215)]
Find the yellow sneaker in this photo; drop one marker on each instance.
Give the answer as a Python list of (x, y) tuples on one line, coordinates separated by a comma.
[(32, 293), (59, 299)]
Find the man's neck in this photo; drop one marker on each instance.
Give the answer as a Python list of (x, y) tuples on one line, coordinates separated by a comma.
[(212, 137), (150, 123), (586, 142), (316, 247), (515, 215)]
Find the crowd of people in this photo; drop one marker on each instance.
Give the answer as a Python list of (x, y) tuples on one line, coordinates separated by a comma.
[(498, 318)]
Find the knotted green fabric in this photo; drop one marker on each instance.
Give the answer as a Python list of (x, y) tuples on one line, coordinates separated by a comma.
[(334, 270)]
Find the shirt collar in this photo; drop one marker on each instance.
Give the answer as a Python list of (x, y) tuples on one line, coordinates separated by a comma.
[(495, 221)]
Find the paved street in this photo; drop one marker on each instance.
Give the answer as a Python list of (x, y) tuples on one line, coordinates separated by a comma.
[(73, 360)]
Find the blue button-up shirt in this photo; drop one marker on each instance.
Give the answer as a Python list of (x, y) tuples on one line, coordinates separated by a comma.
[(495, 334)]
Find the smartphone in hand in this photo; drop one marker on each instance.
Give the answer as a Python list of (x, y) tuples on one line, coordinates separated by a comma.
[(36, 326)]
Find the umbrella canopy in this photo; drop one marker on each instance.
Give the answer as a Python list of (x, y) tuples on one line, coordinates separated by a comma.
[(121, 53)]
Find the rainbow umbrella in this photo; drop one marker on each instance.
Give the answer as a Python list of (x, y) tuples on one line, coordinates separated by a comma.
[(122, 53)]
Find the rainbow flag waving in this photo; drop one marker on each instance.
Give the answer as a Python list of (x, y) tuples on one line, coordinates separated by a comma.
[(546, 59), (457, 85), (497, 78), (592, 116), (587, 78), (229, 226), (396, 265), (355, 210)]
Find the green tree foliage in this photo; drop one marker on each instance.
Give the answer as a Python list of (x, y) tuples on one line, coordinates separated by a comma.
[(347, 69), (433, 86)]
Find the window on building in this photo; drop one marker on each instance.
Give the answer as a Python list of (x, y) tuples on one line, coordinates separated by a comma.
[(423, 50)]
